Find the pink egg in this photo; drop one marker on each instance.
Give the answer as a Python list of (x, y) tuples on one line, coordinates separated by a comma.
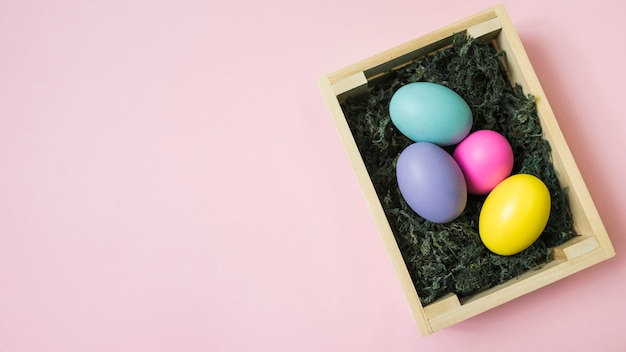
[(486, 159)]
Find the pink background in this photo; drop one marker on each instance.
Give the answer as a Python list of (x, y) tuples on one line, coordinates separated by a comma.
[(171, 179)]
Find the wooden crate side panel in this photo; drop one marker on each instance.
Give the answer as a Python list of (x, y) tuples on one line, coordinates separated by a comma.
[(358, 82), (410, 50), (526, 283), (375, 207), (569, 258)]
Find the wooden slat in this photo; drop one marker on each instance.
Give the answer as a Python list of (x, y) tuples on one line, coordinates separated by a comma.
[(412, 49), (574, 248), (353, 85), (445, 304)]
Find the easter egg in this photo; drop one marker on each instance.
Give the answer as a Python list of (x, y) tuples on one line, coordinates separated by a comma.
[(486, 158), (514, 214), (431, 182), (430, 112)]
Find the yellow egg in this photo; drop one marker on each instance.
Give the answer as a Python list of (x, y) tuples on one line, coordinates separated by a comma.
[(514, 214)]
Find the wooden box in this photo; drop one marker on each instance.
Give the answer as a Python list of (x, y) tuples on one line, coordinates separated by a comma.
[(591, 245)]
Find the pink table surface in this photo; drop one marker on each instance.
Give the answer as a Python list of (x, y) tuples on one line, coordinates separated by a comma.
[(171, 179)]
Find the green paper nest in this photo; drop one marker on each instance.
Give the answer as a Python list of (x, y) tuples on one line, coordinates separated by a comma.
[(444, 258)]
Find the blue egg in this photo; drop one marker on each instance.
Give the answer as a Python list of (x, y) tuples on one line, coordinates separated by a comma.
[(430, 112)]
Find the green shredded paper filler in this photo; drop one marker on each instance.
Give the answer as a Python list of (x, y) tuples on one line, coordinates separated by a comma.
[(444, 258)]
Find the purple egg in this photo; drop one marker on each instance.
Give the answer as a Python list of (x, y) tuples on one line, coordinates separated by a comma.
[(431, 182)]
